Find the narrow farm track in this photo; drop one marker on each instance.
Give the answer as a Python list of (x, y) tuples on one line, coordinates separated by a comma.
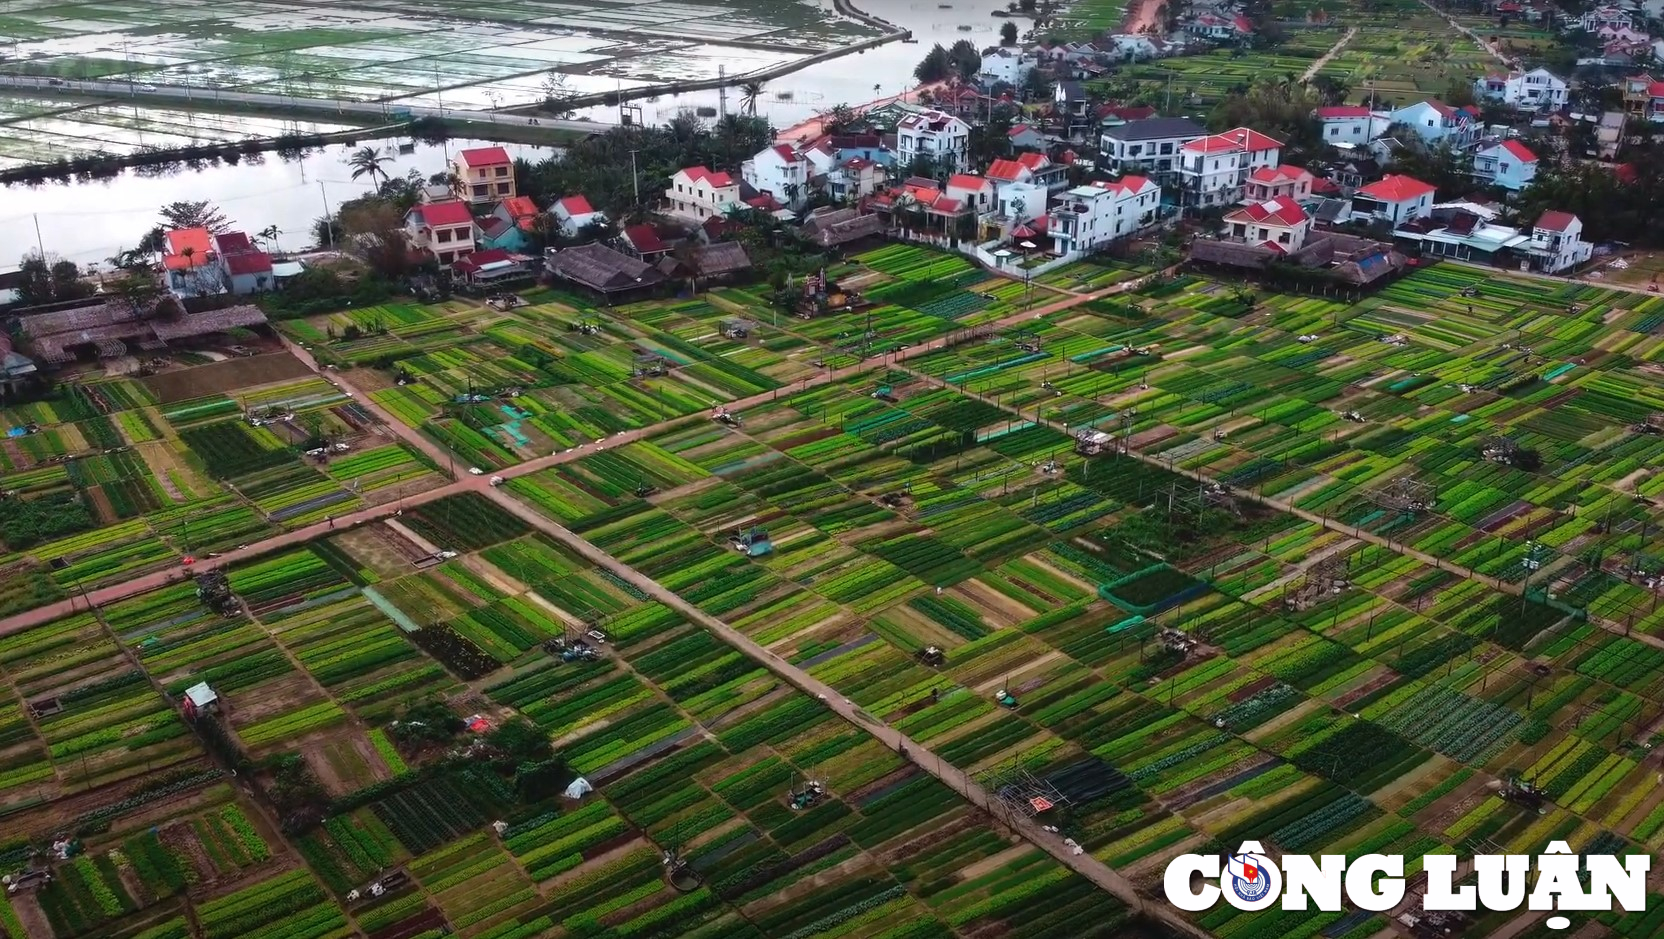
[(1329, 56), (1086, 865)]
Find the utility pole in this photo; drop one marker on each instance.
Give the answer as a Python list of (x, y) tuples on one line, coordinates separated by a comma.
[(635, 177), (39, 243), (329, 226)]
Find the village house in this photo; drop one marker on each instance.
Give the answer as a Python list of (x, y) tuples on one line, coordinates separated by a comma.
[(1394, 199), (573, 214), (1149, 147), (1020, 193), (781, 172), (611, 274), (1218, 27), (1274, 182), (1463, 232), (974, 193), (642, 241), (1557, 243), (508, 227), (490, 266), (1090, 217), (1024, 137), (1280, 224), (1644, 97), (1350, 123), (1606, 17), (1438, 123), (697, 193), (244, 268), (1536, 90), (1509, 164), (1135, 47), (1214, 170), (942, 138), (483, 174), (1006, 66), (444, 229), (191, 266)]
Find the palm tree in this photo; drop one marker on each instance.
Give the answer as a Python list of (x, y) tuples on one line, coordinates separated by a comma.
[(269, 235), (368, 161), (750, 91)]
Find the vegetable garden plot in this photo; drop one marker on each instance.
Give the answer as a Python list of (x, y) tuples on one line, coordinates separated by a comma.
[(232, 448), (466, 522)]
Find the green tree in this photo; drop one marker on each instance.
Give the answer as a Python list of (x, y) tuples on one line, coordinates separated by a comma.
[(1008, 33), (964, 60), (519, 741), (195, 214), (368, 161), (1283, 109), (750, 91), (935, 67)]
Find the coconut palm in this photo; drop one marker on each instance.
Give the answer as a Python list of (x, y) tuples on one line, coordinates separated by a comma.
[(368, 161), (268, 235), (750, 91)]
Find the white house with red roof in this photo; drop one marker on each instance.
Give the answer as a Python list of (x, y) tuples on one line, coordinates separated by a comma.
[(1350, 123), (1274, 182), (1227, 26), (943, 138), (1280, 224), (1087, 218), (1439, 123), (1557, 243), (1214, 170), (697, 193), (573, 213), (1395, 199), (483, 174), (1536, 90), (974, 193), (1509, 164), (246, 268), (1006, 65), (444, 228), (191, 264), (781, 172)]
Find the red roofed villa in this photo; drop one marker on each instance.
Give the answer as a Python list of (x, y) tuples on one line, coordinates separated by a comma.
[(1272, 182), (483, 174), (697, 193), (1394, 199), (1278, 223)]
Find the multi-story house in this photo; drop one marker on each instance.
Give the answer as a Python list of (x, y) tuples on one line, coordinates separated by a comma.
[(1006, 66), (1149, 147), (1536, 90), (781, 172), (1557, 243), (1274, 182), (1278, 223), (1394, 199), (1214, 170), (1350, 123), (1087, 218), (1509, 164), (1644, 97), (444, 228), (943, 138), (483, 174), (698, 193), (1438, 123), (191, 264)]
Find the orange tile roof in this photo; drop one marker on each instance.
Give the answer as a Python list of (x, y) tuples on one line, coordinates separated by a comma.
[(1394, 188)]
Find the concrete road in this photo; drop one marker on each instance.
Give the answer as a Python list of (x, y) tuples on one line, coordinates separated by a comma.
[(163, 95)]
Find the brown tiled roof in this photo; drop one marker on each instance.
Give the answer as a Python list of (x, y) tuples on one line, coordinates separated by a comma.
[(599, 267)]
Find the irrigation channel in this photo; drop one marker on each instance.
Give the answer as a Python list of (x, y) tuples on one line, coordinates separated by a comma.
[(1088, 866)]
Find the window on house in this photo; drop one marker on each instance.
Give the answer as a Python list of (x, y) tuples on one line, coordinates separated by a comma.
[(479, 190), (1135, 149), (444, 234), (502, 171), (1166, 148), (1283, 237)]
